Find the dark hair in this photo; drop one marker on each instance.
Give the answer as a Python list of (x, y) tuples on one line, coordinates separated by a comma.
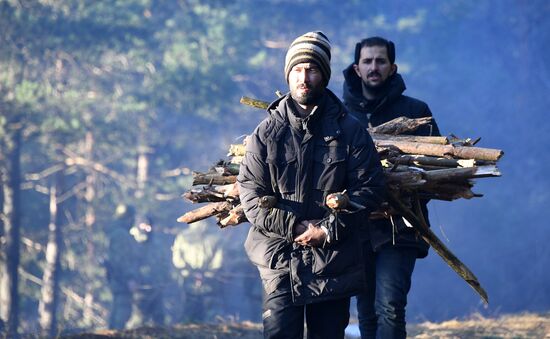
[(375, 41)]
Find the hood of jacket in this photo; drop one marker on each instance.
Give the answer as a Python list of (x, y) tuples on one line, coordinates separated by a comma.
[(353, 91)]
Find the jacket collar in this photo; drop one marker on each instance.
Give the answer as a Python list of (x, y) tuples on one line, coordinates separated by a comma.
[(328, 112)]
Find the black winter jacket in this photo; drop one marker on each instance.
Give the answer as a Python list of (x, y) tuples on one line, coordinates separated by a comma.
[(300, 161), (391, 104)]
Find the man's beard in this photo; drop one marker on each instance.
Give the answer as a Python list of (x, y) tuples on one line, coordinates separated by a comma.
[(379, 85), (309, 98), (378, 89)]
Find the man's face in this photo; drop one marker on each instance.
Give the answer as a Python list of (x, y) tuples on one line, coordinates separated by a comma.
[(306, 83), (374, 67)]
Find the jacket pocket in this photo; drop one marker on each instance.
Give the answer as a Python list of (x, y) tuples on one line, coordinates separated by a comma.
[(329, 171), (285, 168), (263, 250), (336, 260)]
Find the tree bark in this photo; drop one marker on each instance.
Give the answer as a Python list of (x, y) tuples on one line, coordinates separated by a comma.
[(213, 193), (411, 138), (213, 179), (462, 152), (235, 216), (89, 221), (457, 174), (406, 179), (47, 308), (11, 222), (205, 212), (401, 125), (416, 160), (254, 102)]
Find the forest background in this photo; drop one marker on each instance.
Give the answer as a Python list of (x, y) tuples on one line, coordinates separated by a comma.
[(111, 102)]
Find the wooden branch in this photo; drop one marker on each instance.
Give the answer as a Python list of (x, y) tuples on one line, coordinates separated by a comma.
[(236, 150), (448, 191), (98, 167), (234, 217), (411, 138), (69, 293), (32, 244), (226, 168), (237, 160), (205, 212), (457, 174), (45, 173), (420, 160), (420, 225), (442, 184), (229, 191), (407, 179), (213, 179), (213, 193), (401, 125), (254, 102), (462, 152), (203, 195), (413, 164)]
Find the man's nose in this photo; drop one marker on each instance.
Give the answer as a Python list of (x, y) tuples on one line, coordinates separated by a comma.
[(303, 76)]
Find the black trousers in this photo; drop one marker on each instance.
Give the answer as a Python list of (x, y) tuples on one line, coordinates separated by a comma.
[(282, 319)]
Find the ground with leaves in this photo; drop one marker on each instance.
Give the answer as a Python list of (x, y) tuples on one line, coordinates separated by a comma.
[(507, 326)]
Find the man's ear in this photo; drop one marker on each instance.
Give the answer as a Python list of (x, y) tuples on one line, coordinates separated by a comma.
[(393, 69), (356, 69)]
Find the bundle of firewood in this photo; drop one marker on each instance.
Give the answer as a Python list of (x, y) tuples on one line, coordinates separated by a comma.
[(416, 168), (428, 167)]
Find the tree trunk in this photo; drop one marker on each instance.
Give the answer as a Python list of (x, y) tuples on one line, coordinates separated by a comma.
[(3, 267), (50, 289), (142, 174), (11, 222), (89, 221)]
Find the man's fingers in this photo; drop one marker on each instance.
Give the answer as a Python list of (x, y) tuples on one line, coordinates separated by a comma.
[(337, 201), (314, 236)]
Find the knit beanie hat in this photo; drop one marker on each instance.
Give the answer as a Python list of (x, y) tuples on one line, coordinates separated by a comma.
[(310, 47)]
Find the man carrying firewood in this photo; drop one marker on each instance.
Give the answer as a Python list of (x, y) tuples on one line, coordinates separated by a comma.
[(373, 93), (308, 151)]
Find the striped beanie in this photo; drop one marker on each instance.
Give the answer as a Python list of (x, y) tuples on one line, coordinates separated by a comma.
[(310, 47)]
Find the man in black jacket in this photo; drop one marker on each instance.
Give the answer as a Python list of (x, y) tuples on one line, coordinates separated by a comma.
[(373, 93), (304, 152)]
